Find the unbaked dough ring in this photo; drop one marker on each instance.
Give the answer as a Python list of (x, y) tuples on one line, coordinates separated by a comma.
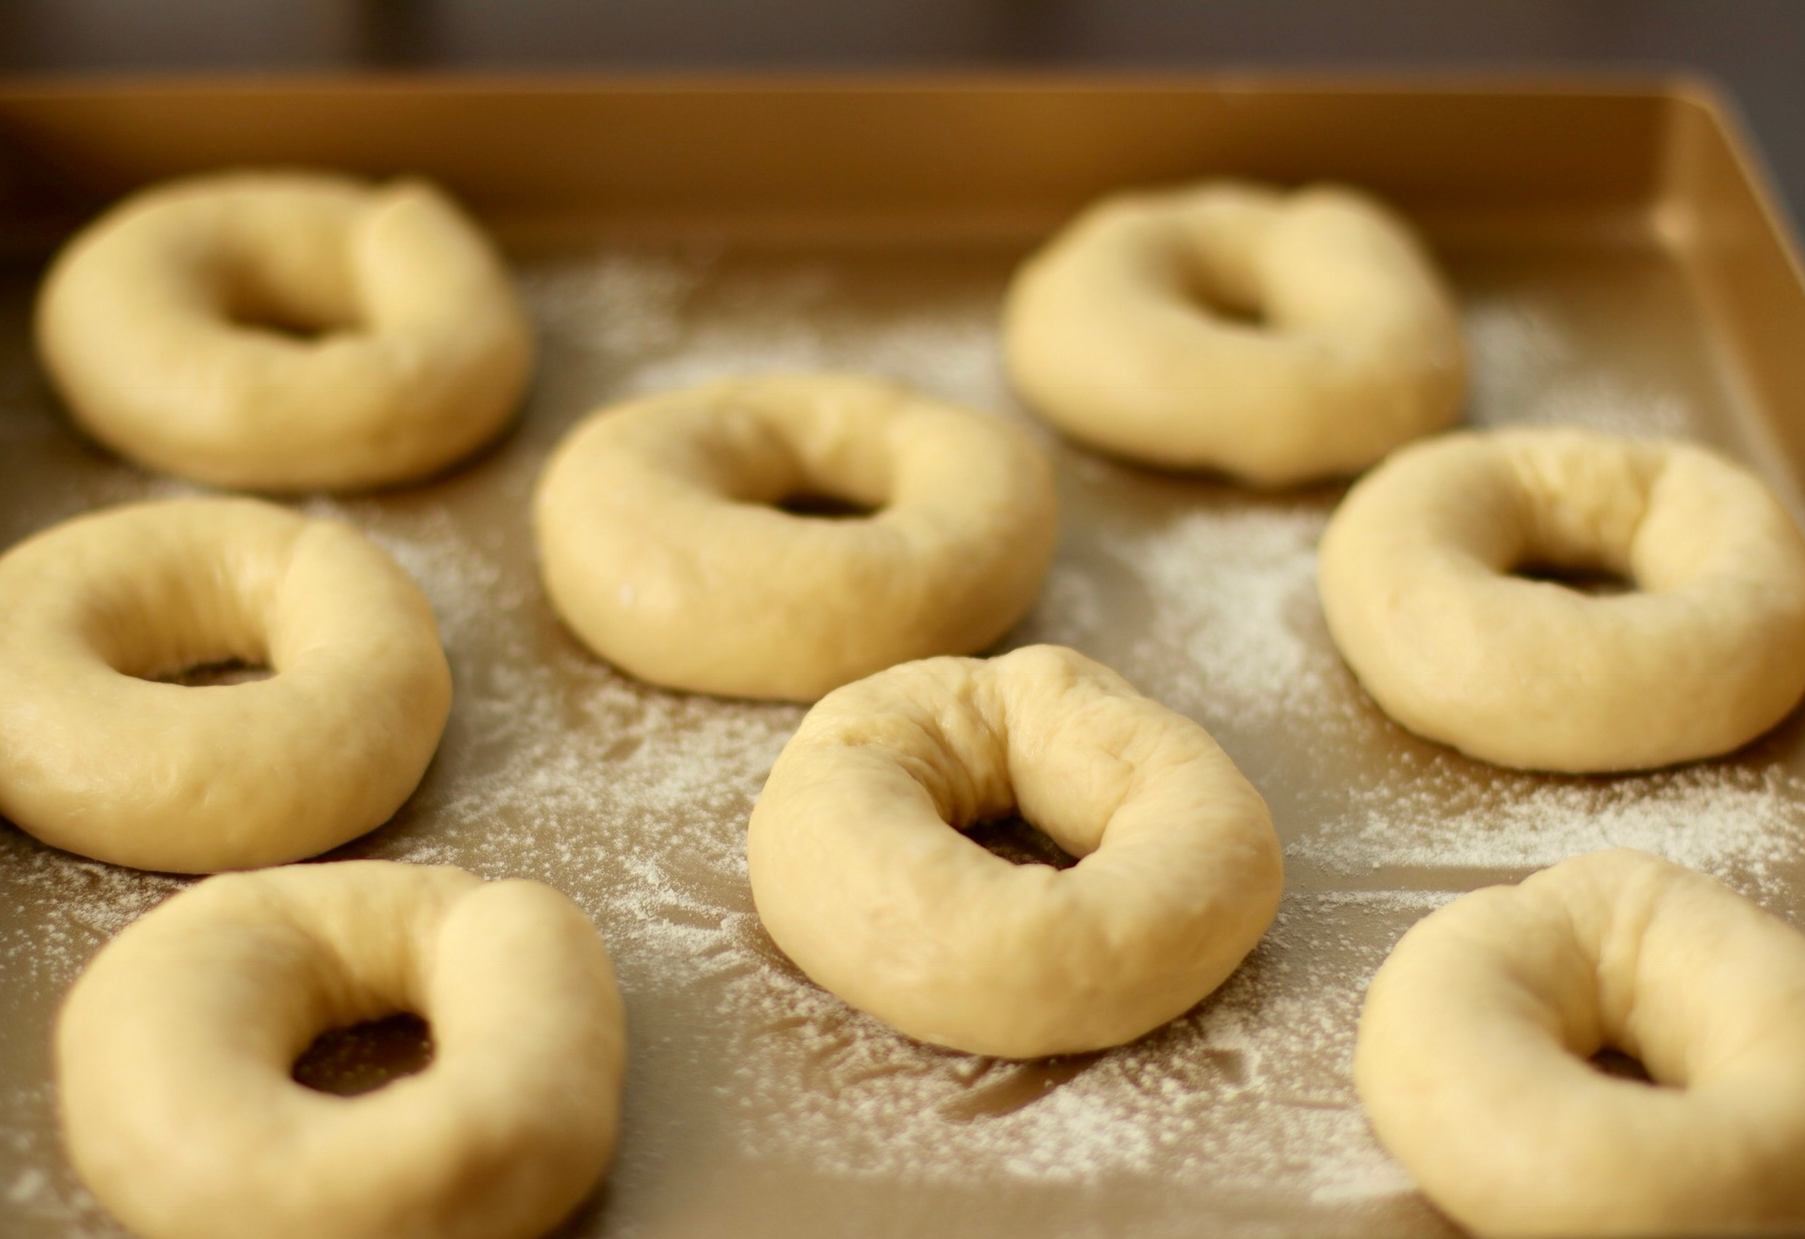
[(862, 875), (1473, 1046), (1108, 331), (99, 760), (174, 1053), (661, 546), (158, 324), (1707, 652)]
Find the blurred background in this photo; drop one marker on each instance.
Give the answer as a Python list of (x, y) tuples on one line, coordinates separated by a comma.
[(1753, 49)]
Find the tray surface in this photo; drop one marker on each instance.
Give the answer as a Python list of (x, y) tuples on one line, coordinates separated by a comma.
[(758, 1104)]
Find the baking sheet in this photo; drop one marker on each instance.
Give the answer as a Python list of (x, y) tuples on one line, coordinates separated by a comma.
[(757, 1104)]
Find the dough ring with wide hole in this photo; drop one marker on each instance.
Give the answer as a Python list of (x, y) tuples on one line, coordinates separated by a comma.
[(662, 546), (1124, 331), (175, 1051), (1706, 652), (285, 331), (99, 758), (1472, 1055), (862, 874)]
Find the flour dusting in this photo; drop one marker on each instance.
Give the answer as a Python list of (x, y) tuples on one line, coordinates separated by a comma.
[(1528, 371), (1740, 823), (1248, 1092)]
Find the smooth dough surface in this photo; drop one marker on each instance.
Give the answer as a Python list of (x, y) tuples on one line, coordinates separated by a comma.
[(1706, 652), (100, 759), (1131, 331), (1472, 1055), (861, 873), (174, 1052), (662, 547), (285, 331)]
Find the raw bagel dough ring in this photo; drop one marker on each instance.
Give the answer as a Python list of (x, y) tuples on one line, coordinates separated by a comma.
[(99, 761), (1472, 1049), (1707, 652), (153, 325), (174, 1052), (1106, 331), (861, 873), (661, 547)]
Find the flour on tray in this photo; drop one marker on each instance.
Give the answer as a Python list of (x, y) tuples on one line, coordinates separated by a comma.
[(1250, 1092)]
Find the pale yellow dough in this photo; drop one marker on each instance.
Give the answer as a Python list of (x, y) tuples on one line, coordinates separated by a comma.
[(1704, 654), (174, 1052), (1122, 331), (158, 324), (1473, 1047), (97, 760), (662, 547), (861, 873)]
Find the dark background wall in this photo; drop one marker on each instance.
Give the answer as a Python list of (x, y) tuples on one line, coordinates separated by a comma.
[(1755, 49)]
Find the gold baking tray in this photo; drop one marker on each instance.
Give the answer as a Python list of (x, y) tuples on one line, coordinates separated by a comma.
[(1620, 264)]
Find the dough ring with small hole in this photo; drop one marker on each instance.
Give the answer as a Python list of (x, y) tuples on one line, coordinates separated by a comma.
[(862, 876), (285, 331), (1706, 652), (175, 1048), (1472, 1055), (1121, 331), (99, 759), (662, 547)]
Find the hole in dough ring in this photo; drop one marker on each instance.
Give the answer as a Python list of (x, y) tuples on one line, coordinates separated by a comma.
[(174, 1051), (97, 760), (1116, 331), (155, 325), (1704, 654), (860, 872), (1472, 1055), (661, 546)]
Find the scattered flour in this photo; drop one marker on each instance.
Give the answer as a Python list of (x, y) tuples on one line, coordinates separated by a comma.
[(1236, 592), (1248, 1093), (1212, 605), (1743, 823), (615, 305), (1526, 369)]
